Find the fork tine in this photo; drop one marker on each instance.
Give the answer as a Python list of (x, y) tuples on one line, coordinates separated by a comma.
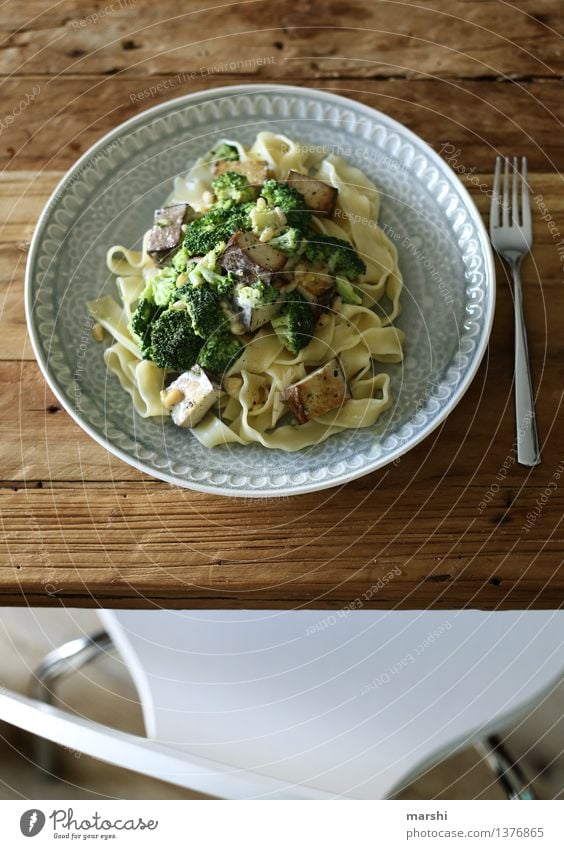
[(525, 198), (505, 205), (494, 205), (515, 194)]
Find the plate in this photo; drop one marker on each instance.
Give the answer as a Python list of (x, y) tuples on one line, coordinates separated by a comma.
[(109, 196)]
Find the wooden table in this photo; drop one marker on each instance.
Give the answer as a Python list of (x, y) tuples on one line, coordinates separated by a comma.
[(457, 522)]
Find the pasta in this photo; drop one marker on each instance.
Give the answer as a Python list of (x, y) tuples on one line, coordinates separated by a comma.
[(255, 398)]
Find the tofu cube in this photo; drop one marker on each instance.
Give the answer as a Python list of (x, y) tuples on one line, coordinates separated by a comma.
[(255, 170), (319, 197), (251, 311), (254, 317), (166, 235), (315, 286), (250, 259), (198, 394), (323, 390)]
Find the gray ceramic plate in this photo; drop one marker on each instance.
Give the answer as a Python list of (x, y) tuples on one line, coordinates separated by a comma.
[(108, 198)]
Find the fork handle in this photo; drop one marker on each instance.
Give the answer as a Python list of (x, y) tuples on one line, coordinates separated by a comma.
[(528, 453)]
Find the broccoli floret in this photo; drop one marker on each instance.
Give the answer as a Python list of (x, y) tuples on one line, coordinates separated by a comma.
[(347, 291), (174, 344), (204, 309), (260, 294), (296, 323), (158, 294), (221, 285), (200, 235), (235, 187), (161, 287), (180, 259), (219, 352), (262, 218), (205, 271), (211, 258), (337, 254), (291, 242), (217, 225), (140, 324), (289, 200), (224, 151)]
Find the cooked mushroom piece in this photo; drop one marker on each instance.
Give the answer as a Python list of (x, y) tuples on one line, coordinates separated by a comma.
[(319, 197), (191, 395), (255, 170), (166, 234), (321, 391), (250, 259)]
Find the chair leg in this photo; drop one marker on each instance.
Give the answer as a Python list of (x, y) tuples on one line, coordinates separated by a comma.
[(509, 775), (58, 664)]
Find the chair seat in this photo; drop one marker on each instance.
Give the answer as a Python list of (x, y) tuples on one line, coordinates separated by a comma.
[(348, 703)]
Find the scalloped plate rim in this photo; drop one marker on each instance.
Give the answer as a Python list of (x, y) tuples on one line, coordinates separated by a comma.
[(346, 477)]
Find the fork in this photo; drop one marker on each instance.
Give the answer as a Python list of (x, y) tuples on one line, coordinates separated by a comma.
[(511, 235)]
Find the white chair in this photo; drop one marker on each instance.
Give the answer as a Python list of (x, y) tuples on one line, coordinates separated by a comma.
[(309, 704)]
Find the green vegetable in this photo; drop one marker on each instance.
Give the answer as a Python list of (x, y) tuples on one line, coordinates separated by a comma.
[(260, 294), (180, 259), (337, 254), (230, 186), (204, 309), (224, 151), (289, 200), (262, 218), (222, 285), (174, 344), (206, 271), (291, 242), (140, 324), (219, 352), (296, 323), (161, 286), (210, 260), (159, 291), (347, 291), (217, 225)]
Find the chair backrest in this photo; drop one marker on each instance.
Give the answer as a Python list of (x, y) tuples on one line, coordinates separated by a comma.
[(343, 703), (141, 755)]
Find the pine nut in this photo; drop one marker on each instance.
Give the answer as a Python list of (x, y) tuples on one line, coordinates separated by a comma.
[(170, 397), (98, 332)]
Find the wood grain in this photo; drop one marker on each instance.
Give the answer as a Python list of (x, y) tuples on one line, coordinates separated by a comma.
[(307, 39), (456, 522), (479, 118)]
